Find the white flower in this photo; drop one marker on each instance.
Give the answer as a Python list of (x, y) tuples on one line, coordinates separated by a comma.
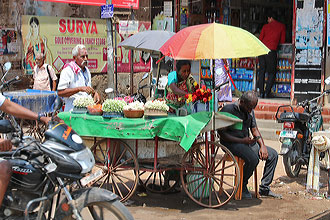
[(112, 105), (83, 102), (134, 106), (156, 105)]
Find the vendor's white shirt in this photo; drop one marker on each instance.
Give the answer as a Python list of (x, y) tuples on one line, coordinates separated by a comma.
[(2, 99), (69, 79)]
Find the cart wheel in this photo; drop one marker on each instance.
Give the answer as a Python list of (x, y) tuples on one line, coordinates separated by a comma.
[(204, 177), (159, 182), (120, 167)]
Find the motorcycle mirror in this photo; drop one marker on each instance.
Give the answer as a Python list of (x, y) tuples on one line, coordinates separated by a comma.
[(145, 76), (7, 66), (108, 90), (58, 103), (327, 81)]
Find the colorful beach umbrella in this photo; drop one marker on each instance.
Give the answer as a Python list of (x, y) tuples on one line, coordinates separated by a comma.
[(213, 41)]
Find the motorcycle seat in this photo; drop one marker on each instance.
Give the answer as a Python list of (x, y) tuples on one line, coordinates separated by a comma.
[(293, 116)]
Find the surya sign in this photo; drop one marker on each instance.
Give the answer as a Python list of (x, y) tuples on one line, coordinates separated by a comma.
[(56, 37), (77, 26)]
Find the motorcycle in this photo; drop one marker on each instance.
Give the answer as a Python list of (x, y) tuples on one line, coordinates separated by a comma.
[(296, 134), (48, 178)]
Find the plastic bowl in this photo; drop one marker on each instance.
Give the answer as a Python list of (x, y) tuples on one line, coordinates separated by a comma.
[(94, 111), (133, 113)]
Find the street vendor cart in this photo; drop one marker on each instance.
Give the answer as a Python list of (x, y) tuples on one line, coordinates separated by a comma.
[(204, 176)]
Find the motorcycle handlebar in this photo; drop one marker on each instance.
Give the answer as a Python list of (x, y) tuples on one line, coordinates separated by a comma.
[(7, 83)]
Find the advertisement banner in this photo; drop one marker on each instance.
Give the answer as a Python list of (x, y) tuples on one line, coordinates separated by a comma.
[(126, 4), (141, 60), (57, 36), (116, 3)]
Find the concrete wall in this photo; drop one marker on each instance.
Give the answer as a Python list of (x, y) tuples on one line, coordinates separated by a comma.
[(11, 12)]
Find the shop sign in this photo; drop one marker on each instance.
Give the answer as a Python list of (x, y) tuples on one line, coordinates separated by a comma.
[(126, 4), (128, 27), (141, 60), (57, 36), (107, 11), (168, 8), (116, 3)]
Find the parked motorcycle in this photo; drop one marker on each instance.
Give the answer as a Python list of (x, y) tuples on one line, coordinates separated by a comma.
[(138, 96), (48, 178), (296, 134)]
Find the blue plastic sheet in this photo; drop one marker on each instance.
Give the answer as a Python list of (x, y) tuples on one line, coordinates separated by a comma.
[(36, 100)]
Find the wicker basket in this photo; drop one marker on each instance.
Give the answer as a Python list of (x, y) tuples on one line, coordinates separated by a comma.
[(133, 113)]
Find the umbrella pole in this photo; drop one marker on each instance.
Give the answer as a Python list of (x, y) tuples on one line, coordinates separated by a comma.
[(213, 97), (157, 81)]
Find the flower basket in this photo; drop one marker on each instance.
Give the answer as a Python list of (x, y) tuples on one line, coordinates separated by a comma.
[(112, 115), (133, 113)]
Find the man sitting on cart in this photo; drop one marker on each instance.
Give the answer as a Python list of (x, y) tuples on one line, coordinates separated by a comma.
[(179, 83), (249, 149)]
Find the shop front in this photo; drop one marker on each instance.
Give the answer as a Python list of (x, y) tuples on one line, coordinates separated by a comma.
[(300, 60)]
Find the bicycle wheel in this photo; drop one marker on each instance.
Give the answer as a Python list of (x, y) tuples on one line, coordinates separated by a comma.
[(120, 167), (205, 177)]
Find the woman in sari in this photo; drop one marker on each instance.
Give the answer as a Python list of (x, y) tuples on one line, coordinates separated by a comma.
[(179, 83)]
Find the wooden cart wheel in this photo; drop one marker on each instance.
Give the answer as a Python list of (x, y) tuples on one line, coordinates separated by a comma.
[(160, 181), (120, 167), (205, 177)]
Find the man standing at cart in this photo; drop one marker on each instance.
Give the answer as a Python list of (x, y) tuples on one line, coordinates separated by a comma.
[(75, 79), (271, 35), (249, 149)]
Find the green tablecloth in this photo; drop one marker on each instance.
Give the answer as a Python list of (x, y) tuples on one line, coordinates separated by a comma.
[(182, 129)]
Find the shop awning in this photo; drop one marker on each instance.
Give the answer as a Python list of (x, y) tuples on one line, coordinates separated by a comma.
[(116, 3)]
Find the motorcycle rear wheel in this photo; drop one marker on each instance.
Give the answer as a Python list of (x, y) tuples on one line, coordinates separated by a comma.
[(102, 210), (293, 170)]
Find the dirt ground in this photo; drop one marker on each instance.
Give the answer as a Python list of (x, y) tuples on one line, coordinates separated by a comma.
[(295, 204)]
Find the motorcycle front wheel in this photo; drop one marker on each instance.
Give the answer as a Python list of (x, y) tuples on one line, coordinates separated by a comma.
[(290, 159), (102, 210)]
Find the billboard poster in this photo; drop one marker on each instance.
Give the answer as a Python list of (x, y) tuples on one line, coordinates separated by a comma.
[(8, 41), (141, 60), (57, 36)]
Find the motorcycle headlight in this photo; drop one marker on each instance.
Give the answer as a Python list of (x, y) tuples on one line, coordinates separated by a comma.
[(85, 158)]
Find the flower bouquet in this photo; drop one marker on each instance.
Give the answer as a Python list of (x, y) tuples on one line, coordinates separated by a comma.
[(200, 99), (113, 108), (80, 104), (134, 110), (155, 108)]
